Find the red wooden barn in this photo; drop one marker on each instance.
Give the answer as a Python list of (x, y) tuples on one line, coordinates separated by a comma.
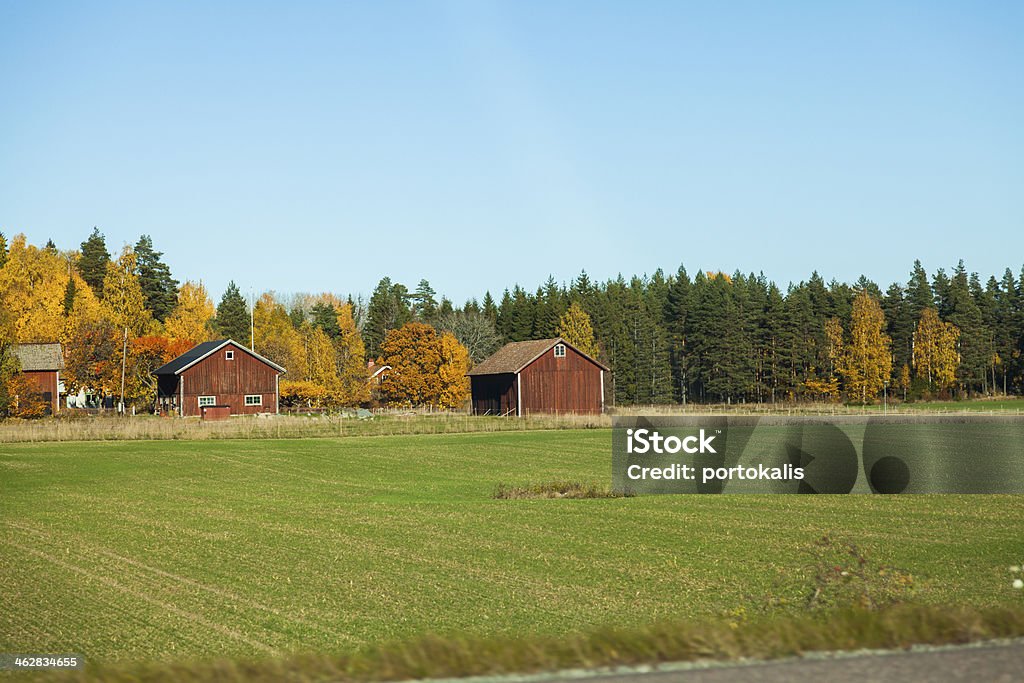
[(219, 374), (41, 364), (541, 376)]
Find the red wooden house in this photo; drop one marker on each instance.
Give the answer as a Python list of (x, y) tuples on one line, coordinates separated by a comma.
[(541, 376), (41, 364), (218, 375)]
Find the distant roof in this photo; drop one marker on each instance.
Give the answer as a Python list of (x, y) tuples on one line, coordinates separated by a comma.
[(372, 369), (514, 356), (201, 351), (35, 357)]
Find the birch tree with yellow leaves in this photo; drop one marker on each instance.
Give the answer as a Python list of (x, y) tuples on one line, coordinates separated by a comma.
[(867, 359), (935, 353)]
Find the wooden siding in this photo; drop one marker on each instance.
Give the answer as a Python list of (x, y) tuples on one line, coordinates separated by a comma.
[(45, 381), (561, 385), (493, 394), (229, 382)]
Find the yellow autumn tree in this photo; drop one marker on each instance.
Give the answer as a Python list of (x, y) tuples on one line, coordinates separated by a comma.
[(828, 387), (190, 320), (935, 355), (32, 287), (123, 301), (275, 336), (452, 372), (574, 327), (867, 360), (318, 352), (350, 360)]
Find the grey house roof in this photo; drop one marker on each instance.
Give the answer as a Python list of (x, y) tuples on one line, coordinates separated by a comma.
[(514, 356), (36, 357)]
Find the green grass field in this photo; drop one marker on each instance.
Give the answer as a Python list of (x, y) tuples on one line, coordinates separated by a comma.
[(170, 549)]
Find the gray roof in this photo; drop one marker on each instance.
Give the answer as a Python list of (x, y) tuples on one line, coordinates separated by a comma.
[(201, 351), (514, 356), (35, 357)]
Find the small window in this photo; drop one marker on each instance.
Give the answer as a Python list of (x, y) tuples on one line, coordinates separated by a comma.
[(229, 355), (559, 350), (207, 401), (254, 400)]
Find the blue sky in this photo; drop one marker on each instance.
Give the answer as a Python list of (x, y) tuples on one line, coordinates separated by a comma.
[(320, 146)]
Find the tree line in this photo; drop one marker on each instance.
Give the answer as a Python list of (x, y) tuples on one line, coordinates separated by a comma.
[(673, 338)]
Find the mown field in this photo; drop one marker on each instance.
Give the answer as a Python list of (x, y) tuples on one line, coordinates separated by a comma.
[(176, 549)]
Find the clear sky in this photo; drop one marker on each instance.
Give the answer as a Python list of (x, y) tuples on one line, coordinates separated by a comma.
[(319, 146)]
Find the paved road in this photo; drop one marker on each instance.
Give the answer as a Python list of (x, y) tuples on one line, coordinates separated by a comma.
[(989, 663)]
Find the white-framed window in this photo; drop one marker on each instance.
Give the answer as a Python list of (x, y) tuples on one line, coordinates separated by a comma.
[(559, 350), (229, 355), (207, 401), (254, 400)]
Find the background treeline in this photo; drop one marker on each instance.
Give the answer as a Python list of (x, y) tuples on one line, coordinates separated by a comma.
[(709, 337)]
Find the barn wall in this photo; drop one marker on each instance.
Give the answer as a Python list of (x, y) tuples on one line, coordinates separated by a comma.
[(493, 394), (561, 385), (229, 381), (45, 381)]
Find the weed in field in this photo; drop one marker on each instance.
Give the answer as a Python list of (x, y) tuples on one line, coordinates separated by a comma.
[(556, 489), (840, 574)]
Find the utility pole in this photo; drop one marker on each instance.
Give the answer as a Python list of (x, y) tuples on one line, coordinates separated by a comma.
[(252, 320), (124, 363)]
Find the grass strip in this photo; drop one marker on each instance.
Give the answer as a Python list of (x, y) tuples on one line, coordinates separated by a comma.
[(722, 640)]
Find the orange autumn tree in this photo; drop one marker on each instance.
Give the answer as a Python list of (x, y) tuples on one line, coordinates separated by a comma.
[(426, 369)]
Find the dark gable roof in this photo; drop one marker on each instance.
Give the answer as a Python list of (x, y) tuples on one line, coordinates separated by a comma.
[(37, 357), (201, 351), (514, 356)]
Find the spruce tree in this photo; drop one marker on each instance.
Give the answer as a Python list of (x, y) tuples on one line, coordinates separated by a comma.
[(158, 287), (488, 308), (232, 321), (92, 265), (70, 289)]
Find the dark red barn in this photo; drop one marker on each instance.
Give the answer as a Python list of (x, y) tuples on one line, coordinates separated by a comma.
[(219, 374), (541, 376), (41, 364)]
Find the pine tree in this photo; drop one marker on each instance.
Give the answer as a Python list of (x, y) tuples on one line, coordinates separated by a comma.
[(232, 321), (3, 250), (975, 340), (324, 316), (388, 310), (424, 303), (92, 265), (676, 316)]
